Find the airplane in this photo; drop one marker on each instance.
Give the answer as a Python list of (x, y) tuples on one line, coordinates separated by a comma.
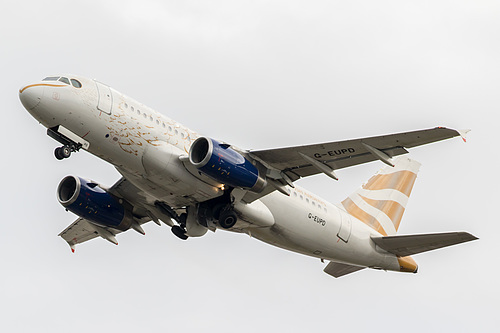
[(194, 183)]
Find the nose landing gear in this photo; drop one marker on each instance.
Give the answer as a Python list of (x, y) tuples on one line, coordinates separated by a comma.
[(69, 145), (63, 152)]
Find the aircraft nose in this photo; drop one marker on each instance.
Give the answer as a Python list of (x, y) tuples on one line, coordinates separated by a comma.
[(31, 96)]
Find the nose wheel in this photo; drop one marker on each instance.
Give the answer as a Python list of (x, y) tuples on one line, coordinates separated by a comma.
[(62, 152)]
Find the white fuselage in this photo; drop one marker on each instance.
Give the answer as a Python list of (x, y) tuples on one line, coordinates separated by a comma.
[(146, 146)]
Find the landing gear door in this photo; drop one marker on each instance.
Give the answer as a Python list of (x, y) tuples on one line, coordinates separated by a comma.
[(345, 227), (105, 98)]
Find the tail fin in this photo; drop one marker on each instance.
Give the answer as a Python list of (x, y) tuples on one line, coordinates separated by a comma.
[(381, 202)]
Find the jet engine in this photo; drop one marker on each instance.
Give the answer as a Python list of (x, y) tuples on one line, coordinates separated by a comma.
[(224, 164), (89, 201)]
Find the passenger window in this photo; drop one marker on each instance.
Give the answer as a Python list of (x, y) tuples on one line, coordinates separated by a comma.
[(64, 80), (76, 83), (51, 78)]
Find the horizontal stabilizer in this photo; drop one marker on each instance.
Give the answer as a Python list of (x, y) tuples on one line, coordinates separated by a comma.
[(407, 245), (337, 269)]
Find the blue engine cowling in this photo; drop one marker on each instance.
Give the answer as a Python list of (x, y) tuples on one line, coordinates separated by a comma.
[(87, 200), (222, 163)]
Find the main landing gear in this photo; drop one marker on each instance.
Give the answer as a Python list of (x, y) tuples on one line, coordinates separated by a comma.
[(227, 218), (209, 214), (178, 230)]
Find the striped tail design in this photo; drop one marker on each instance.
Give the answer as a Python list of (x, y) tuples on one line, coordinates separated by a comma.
[(381, 202)]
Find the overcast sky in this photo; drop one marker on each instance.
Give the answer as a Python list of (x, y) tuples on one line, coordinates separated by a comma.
[(257, 74)]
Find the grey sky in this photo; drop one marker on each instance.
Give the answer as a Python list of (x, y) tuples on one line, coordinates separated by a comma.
[(257, 74)]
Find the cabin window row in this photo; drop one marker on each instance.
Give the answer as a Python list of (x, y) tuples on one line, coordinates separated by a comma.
[(309, 201), (158, 122)]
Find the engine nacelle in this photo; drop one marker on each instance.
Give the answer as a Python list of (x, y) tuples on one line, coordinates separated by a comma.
[(87, 200), (224, 164)]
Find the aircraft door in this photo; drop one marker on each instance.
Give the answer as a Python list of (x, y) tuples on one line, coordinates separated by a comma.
[(345, 227), (105, 98)]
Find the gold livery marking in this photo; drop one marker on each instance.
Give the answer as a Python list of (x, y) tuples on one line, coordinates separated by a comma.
[(401, 181), (392, 209), (363, 216), (41, 84)]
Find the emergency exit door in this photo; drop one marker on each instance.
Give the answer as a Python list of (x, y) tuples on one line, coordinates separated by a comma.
[(345, 227), (105, 98)]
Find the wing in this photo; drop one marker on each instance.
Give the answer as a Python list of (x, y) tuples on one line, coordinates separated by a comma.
[(303, 161), (83, 230)]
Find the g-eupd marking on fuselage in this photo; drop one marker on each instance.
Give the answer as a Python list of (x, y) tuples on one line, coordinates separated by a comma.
[(194, 183)]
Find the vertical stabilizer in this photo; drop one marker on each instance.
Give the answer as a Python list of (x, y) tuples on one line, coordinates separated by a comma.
[(381, 202)]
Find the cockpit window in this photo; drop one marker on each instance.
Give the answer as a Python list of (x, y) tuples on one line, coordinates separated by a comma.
[(64, 80), (76, 83), (51, 78)]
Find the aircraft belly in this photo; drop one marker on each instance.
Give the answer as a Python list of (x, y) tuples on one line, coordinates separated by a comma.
[(297, 229)]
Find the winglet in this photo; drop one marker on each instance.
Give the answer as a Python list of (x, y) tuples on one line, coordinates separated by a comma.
[(72, 246), (463, 134)]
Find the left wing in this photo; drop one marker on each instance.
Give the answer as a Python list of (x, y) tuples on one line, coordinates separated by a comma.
[(303, 161), (286, 165)]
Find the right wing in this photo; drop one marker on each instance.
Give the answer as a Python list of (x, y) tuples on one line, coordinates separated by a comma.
[(83, 230)]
